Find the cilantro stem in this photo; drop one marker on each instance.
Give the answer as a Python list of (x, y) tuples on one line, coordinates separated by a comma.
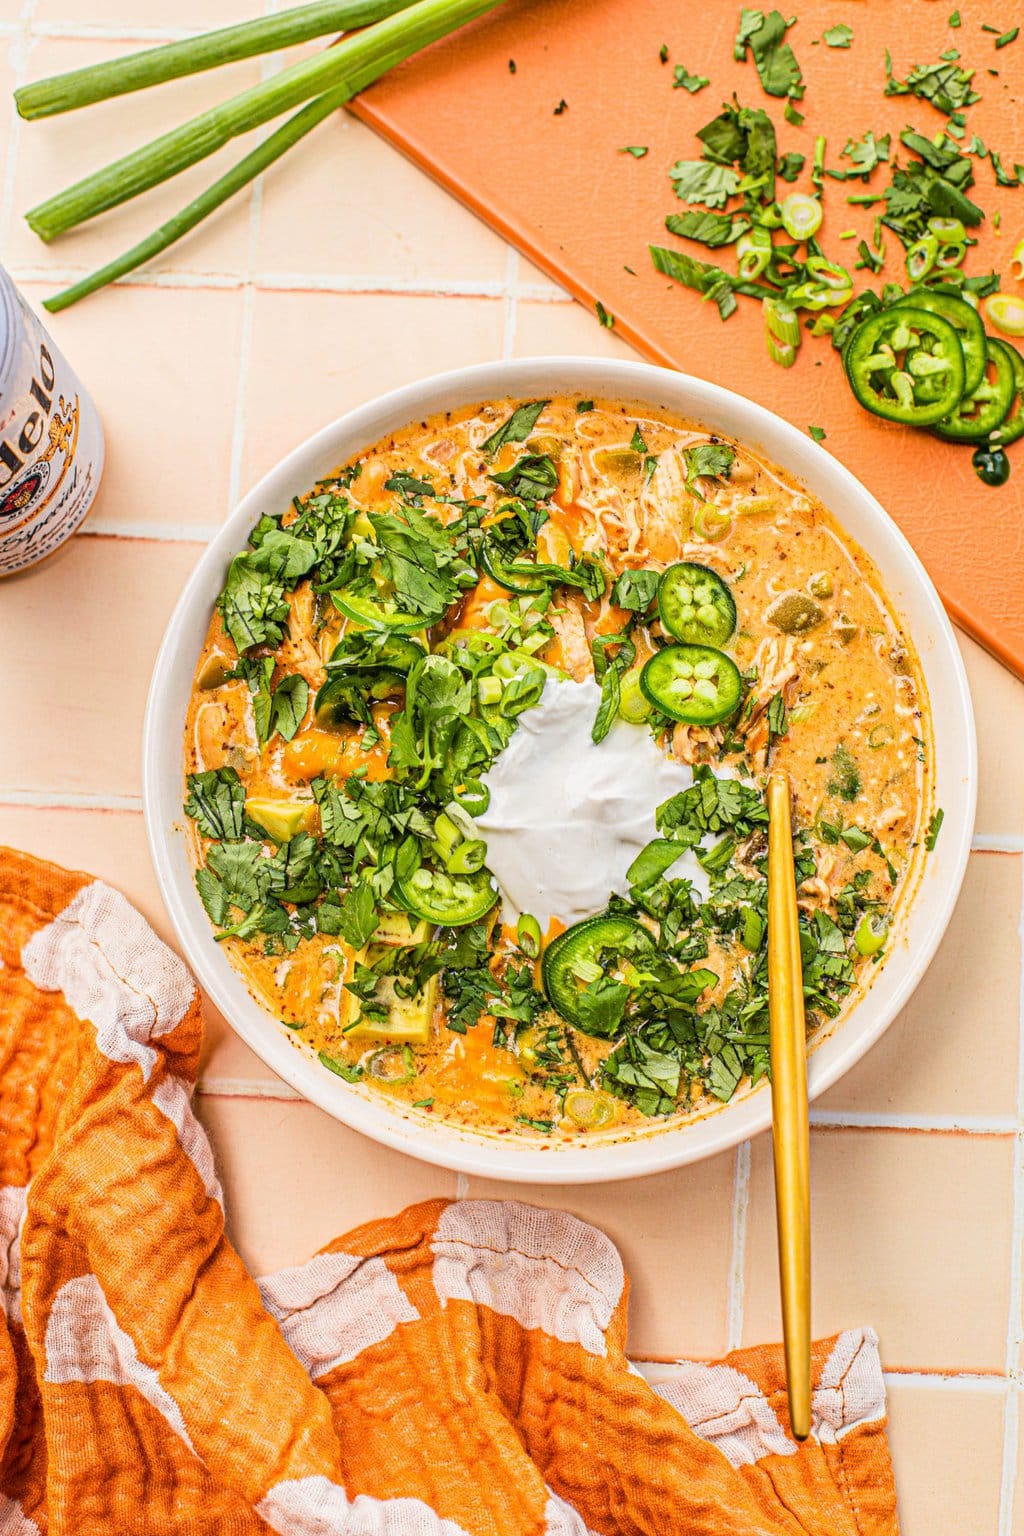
[(152, 66), (349, 67)]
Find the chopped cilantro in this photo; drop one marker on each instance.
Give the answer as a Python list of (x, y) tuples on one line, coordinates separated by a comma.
[(818, 433), (764, 36), (606, 319), (351, 1073), (715, 460), (663, 53), (1008, 37), (845, 781), (945, 85), (636, 150), (683, 80), (712, 229), (702, 181), (954, 20), (511, 66), (563, 106), (516, 429), (934, 825), (839, 36)]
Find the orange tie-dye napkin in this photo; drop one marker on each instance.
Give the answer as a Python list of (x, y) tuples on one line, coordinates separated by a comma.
[(459, 1368)]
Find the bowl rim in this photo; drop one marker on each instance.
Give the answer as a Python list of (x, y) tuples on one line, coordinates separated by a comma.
[(443, 1144)]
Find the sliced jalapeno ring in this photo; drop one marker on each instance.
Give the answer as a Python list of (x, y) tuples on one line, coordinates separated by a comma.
[(906, 364), (976, 416), (575, 957), (587, 1109), (964, 319), (695, 605), (692, 683), (347, 696), (448, 900), (1012, 426), (513, 575), (377, 613)]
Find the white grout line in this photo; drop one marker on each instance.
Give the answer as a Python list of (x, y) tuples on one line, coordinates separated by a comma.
[(247, 1088), (508, 336), (738, 1259), (164, 533), (127, 32), (955, 1381), (1015, 1310), (997, 842), (68, 800), (385, 284), (977, 1125)]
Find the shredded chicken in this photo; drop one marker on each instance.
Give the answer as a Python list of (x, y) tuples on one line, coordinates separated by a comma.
[(664, 508), (778, 670), (819, 889), (571, 631), (695, 743)]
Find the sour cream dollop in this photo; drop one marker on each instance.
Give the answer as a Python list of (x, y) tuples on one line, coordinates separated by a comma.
[(567, 816)]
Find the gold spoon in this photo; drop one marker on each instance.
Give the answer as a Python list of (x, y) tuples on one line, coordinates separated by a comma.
[(790, 1137)]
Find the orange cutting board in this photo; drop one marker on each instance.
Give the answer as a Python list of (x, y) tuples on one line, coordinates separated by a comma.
[(558, 187)]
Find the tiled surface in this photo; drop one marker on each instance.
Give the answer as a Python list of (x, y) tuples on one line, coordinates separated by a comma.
[(344, 273)]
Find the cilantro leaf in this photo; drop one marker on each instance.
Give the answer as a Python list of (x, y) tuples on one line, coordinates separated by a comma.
[(358, 918), (945, 85), (532, 478), (776, 64), (516, 429), (636, 590), (683, 80), (709, 228), (839, 36), (602, 1005), (216, 802), (934, 826), (636, 150), (715, 460), (704, 181)]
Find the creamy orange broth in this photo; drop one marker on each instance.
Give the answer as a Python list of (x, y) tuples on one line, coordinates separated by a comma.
[(853, 678)]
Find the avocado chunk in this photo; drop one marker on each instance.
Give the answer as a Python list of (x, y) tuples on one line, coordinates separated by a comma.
[(409, 1018), (280, 819), (398, 928)]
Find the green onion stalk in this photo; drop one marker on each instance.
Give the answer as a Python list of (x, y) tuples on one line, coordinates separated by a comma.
[(349, 67), (153, 66)]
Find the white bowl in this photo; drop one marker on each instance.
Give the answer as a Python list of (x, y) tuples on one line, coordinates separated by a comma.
[(910, 592)]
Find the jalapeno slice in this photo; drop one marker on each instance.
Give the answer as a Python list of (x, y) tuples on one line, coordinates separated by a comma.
[(449, 900), (695, 605), (394, 651), (692, 683), (581, 954), (977, 415), (906, 364), (378, 613), (1012, 426), (965, 320), (348, 696), (513, 575)]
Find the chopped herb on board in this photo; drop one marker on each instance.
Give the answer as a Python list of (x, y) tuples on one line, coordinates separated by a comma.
[(702, 181), (563, 106), (934, 826), (845, 781), (511, 66), (818, 433), (606, 319), (946, 85), (636, 150), (684, 81), (707, 228), (839, 36), (954, 19), (663, 53), (764, 36)]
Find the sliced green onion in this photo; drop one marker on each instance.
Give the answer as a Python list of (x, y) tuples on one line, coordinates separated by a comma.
[(801, 215), (473, 796), (1017, 261), (753, 252), (529, 936), (880, 736), (489, 690), (634, 705), (711, 523), (468, 857), (446, 835), (1006, 313), (350, 66), (921, 257), (392, 1064), (950, 256), (782, 332), (152, 66), (947, 231), (589, 1110), (870, 934)]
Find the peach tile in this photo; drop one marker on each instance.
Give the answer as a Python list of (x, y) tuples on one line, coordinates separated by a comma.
[(55, 152), (315, 355), (294, 1178), (345, 203), (129, 14), (227, 1061), (108, 844), (529, 276), (9, 50), (546, 328), (911, 1235), (1018, 1496), (168, 411), (674, 1232), (947, 1445), (78, 634), (953, 1050), (999, 710)]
